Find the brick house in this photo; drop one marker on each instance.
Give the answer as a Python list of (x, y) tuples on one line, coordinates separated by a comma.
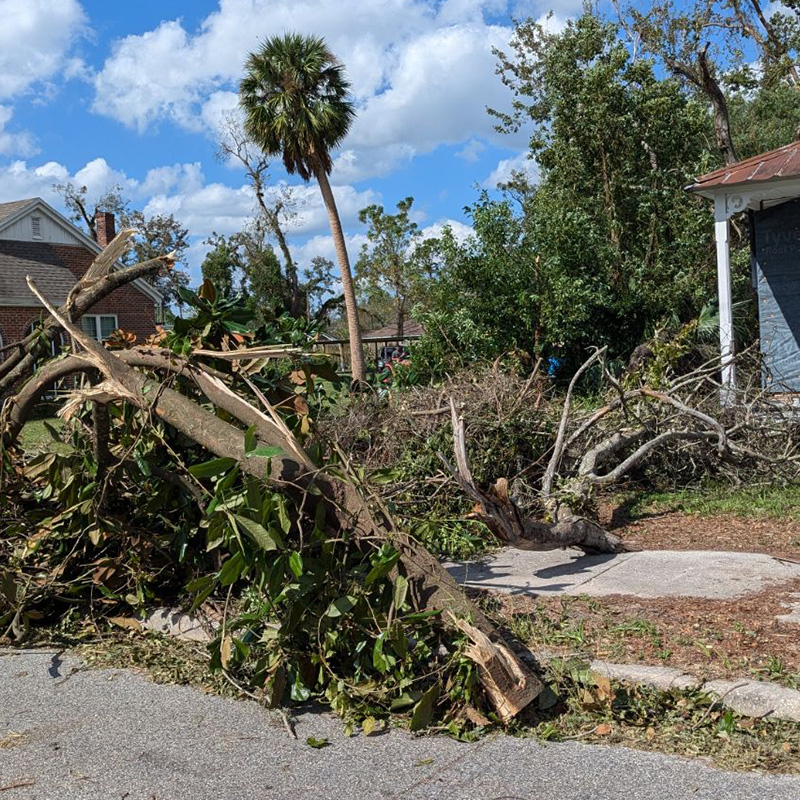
[(36, 240)]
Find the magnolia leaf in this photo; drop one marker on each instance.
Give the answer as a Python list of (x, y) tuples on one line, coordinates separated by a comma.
[(317, 744), (296, 564), (341, 606), (210, 468), (232, 569), (283, 514), (95, 535), (423, 710), (383, 567), (603, 729), (603, 685), (400, 592), (368, 725), (404, 701), (131, 623), (300, 692), (265, 539), (379, 660), (265, 452), (225, 651), (207, 291)]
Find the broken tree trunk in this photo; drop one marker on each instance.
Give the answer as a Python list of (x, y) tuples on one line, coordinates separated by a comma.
[(497, 510), (503, 676), (294, 472), (98, 282)]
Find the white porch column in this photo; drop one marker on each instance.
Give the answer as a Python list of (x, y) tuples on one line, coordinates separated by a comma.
[(725, 298)]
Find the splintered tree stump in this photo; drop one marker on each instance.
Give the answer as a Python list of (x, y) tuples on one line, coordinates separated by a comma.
[(509, 685)]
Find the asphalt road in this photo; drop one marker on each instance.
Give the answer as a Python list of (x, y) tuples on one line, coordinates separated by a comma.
[(70, 734)]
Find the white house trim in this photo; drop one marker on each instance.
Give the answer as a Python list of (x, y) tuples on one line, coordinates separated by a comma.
[(726, 339), (730, 200)]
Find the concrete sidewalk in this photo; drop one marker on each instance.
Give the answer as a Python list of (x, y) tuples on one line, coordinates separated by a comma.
[(113, 735), (650, 573)]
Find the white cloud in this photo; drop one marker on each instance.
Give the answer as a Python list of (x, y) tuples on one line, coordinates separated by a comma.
[(35, 38), (508, 166), (472, 150), (440, 87), (18, 181), (182, 190), (352, 166), (97, 176), (461, 232), (422, 73), (14, 144), (322, 245)]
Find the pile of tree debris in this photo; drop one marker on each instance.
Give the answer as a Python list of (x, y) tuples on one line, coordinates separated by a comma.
[(205, 482)]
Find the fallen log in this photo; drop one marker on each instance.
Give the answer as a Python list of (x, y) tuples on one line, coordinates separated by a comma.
[(496, 509)]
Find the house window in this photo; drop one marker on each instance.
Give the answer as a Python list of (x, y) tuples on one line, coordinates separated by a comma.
[(99, 326), (36, 227)]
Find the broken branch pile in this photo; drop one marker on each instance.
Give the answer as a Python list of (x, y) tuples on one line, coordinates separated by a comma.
[(213, 492)]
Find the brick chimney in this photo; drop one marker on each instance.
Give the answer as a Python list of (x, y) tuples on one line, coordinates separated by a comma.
[(104, 227)]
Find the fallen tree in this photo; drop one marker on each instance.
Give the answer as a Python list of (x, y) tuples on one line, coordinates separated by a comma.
[(309, 540), (275, 457), (665, 416)]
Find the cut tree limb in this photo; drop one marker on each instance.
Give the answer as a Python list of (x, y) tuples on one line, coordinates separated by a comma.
[(508, 684)]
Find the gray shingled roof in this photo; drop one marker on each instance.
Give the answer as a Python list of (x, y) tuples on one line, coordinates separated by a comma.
[(411, 330), (9, 209), (41, 262)]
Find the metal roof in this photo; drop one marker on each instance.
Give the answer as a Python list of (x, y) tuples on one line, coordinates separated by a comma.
[(774, 165)]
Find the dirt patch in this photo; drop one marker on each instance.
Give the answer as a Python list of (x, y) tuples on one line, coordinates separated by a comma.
[(675, 530), (709, 638)]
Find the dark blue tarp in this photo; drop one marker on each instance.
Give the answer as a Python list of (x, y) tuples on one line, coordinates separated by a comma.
[(777, 255)]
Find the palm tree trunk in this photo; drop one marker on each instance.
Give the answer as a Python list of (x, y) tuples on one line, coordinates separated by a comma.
[(351, 309)]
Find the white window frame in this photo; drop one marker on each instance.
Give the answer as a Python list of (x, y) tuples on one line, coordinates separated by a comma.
[(97, 328)]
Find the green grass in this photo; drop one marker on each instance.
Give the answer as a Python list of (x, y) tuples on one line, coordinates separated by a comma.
[(36, 438), (745, 501)]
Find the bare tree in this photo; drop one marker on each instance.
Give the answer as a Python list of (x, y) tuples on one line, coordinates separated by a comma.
[(275, 214), (82, 210)]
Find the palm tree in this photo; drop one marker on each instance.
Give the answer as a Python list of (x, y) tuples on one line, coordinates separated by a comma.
[(296, 103)]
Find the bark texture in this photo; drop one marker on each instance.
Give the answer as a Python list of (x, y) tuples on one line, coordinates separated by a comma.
[(351, 307)]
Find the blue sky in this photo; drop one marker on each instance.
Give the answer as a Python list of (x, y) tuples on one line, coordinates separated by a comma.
[(107, 93)]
